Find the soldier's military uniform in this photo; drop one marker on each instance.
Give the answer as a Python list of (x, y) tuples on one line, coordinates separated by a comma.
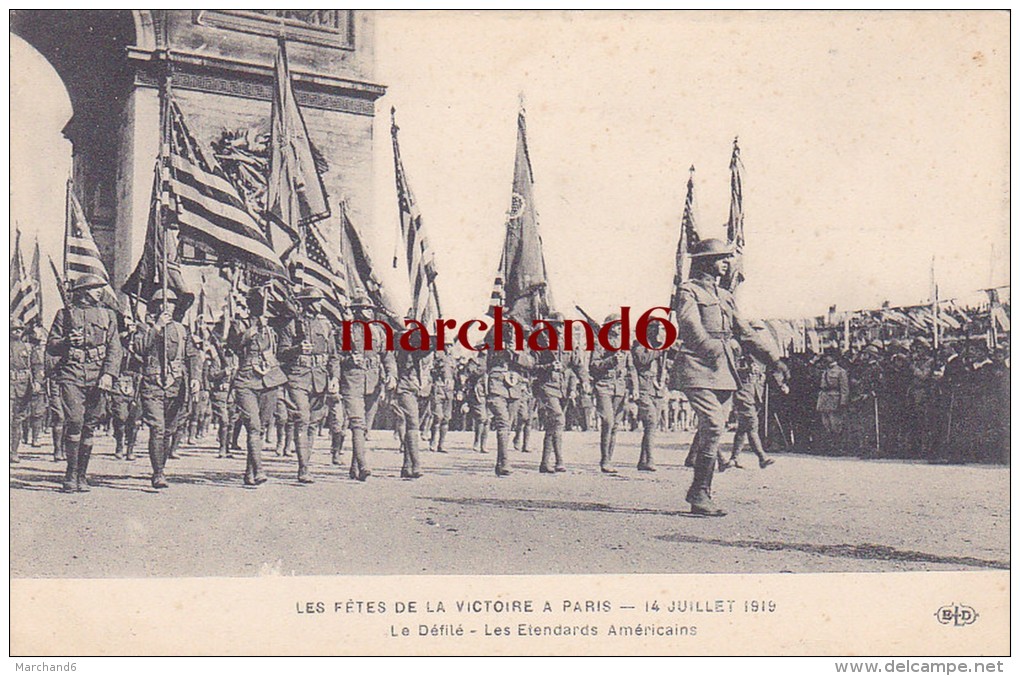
[(56, 408), (444, 372), (833, 397), (170, 368), (612, 373), (412, 367), (22, 384), (865, 380), (125, 400), (476, 386), (508, 373), (85, 338), (550, 390), (707, 371), (198, 409), (308, 356), (747, 402), (356, 372), (39, 405), (257, 382), (651, 369), (221, 364)]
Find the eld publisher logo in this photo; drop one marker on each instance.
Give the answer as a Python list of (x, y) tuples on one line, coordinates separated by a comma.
[(957, 615)]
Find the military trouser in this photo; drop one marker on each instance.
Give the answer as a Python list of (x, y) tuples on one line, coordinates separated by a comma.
[(306, 408), (57, 425), (20, 409), (480, 422), (282, 430), (124, 414), (223, 415), (746, 409), (554, 421), (255, 407), (442, 412), (163, 409), (610, 410), (353, 394), (406, 406), (712, 408), (501, 407), (520, 421), (82, 407), (337, 423), (649, 414), (37, 416)]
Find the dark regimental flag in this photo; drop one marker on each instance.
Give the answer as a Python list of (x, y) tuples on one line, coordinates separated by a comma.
[(735, 224), (206, 207), (312, 266), (360, 272), (81, 255), (36, 271), (295, 195), (522, 280), (24, 292), (685, 242), (160, 237), (421, 265)]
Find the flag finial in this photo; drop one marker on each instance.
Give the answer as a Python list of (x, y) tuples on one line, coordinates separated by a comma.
[(692, 169), (520, 100)]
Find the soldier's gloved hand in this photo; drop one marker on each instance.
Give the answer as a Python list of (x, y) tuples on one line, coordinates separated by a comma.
[(163, 319), (76, 337), (106, 382), (306, 347), (195, 387), (391, 384)]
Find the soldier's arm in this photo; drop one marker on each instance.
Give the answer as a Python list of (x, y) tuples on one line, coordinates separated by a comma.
[(192, 357), (56, 343), (844, 388), (759, 347), (389, 364), (692, 331), (288, 346), (114, 351), (633, 385)]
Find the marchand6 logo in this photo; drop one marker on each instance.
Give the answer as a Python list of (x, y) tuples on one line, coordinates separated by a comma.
[(957, 615)]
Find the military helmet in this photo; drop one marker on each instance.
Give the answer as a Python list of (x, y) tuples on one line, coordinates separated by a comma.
[(614, 317), (712, 248), (555, 318), (86, 282), (161, 296)]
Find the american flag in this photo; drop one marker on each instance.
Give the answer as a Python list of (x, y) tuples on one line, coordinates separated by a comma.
[(688, 238), (24, 292), (81, 255), (207, 206), (421, 264), (312, 266), (735, 224)]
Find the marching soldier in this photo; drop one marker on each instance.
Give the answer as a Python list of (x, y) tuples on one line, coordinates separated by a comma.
[(355, 366), (221, 364), (308, 355), (444, 375), (709, 322), (84, 336), (520, 418), (612, 373), (37, 411), (170, 368), (476, 384), (258, 380), (508, 372), (125, 406), (651, 369), (412, 367), (551, 367), (747, 402), (56, 408), (22, 384)]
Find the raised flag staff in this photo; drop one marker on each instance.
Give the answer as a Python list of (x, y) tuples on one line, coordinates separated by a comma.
[(735, 222)]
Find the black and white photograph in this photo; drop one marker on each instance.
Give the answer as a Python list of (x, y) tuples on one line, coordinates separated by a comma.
[(509, 332)]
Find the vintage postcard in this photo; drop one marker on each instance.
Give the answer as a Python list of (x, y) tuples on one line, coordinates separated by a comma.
[(350, 332)]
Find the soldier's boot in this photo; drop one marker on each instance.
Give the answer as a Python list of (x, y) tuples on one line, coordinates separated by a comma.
[(546, 466), (443, 428), (502, 442), (302, 448), (71, 444), (433, 441), (58, 442), (36, 431), (692, 454), (254, 474), (157, 457), (411, 469), (359, 463), (222, 438), (172, 443), (336, 446), (129, 444), (525, 436), (607, 438), (699, 495), (483, 436), (118, 439), (558, 450), (84, 455), (645, 462), (15, 442)]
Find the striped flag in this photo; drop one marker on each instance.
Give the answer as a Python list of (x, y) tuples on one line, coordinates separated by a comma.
[(314, 267), (295, 196), (735, 224), (36, 271), (359, 271), (81, 255), (206, 207), (421, 264), (24, 292), (685, 242)]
